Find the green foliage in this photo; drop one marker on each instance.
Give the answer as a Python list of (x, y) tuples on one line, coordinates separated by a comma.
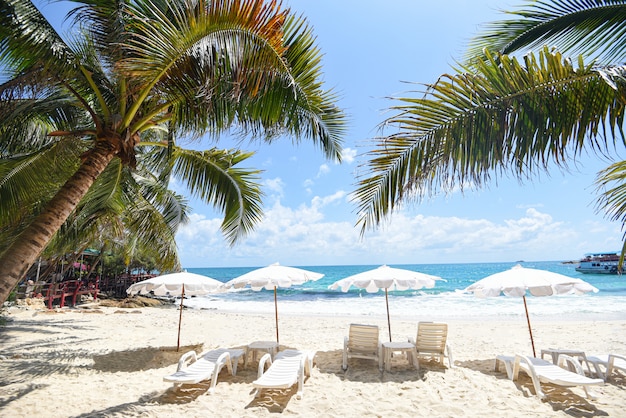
[(500, 115), (136, 77), (593, 28)]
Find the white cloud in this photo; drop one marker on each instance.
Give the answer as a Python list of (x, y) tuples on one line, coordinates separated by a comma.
[(303, 236), (320, 202), (275, 185), (530, 205), (348, 155), (323, 170)]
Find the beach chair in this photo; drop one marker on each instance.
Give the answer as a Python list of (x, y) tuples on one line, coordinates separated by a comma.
[(362, 342), (543, 371), (610, 363), (288, 368), (431, 341), (208, 366)]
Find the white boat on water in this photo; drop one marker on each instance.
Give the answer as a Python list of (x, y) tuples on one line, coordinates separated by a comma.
[(599, 263)]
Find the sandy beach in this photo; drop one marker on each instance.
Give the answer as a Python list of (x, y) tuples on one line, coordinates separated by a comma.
[(95, 361)]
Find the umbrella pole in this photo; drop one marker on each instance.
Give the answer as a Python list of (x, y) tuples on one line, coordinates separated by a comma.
[(388, 320), (276, 311), (532, 342), (180, 317)]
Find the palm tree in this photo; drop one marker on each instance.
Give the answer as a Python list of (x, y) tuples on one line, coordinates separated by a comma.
[(137, 76), (131, 208), (501, 114)]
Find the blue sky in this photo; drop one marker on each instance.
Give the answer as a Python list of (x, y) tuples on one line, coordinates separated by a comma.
[(374, 50)]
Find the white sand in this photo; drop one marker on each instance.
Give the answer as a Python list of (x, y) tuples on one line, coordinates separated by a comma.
[(107, 362)]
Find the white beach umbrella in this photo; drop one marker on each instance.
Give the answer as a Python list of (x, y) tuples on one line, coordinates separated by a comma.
[(387, 278), (177, 284), (519, 280), (271, 277)]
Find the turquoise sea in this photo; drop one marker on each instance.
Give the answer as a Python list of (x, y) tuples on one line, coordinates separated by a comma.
[(445, 301)]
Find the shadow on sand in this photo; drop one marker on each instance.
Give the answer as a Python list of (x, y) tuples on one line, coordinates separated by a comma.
[(560, 398)]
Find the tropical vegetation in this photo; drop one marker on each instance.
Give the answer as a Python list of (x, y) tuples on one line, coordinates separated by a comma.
[(498, 113), (92, 122)]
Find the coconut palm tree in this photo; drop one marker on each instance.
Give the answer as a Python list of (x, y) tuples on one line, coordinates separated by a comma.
[(498, 113), (134, 209), (135, 78)]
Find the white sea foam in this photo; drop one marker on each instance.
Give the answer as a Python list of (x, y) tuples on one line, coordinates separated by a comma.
[(450, 306)]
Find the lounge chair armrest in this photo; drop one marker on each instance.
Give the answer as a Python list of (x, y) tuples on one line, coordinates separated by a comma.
[(573, 365), (450, 359), (531, 370), (224, 358), (301, 372), (189, 355), (516, 366), (612, 358), (309, 360), (266, 358)]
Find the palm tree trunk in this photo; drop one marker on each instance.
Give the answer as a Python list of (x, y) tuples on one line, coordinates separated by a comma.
[(18, 258)]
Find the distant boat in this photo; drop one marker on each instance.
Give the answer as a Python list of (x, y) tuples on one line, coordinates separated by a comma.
[(599, 263)]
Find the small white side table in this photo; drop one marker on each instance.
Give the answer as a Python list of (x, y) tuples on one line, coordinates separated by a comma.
[(403, 347), (235, 355), (260, 346)]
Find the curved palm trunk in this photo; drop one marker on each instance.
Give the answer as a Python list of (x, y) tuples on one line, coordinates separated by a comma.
[(18, 258)]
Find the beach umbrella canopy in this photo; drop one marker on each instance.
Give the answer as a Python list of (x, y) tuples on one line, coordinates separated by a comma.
[(519, 280), (272, 277), (387, 278), (177, 284)]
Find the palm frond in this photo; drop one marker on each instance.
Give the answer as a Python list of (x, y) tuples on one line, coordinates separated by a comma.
[(212, 176), (27, 180), (25, 123), (106, 24), (28, 39), (503, 118), (307, 113), (593, 28), (611, 185), (150, 234), (180, 50), (173, 207), (224, 71)]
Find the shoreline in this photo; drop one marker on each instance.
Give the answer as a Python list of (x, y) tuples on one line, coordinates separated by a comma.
[(438, 308), (110, 362)]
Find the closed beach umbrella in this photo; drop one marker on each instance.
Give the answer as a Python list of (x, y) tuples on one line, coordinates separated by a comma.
[(176, 284), (271, 277), (519, 280), (387, 278)]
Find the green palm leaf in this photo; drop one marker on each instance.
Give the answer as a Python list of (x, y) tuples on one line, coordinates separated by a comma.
[(136, 76), (504, 118), (588, 27), (611, 183), (27, 180), (212, 177)]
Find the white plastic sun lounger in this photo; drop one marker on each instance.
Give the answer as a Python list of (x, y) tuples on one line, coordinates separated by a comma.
[(288, 367), (542, 371), (208, 366), (610, 362)]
